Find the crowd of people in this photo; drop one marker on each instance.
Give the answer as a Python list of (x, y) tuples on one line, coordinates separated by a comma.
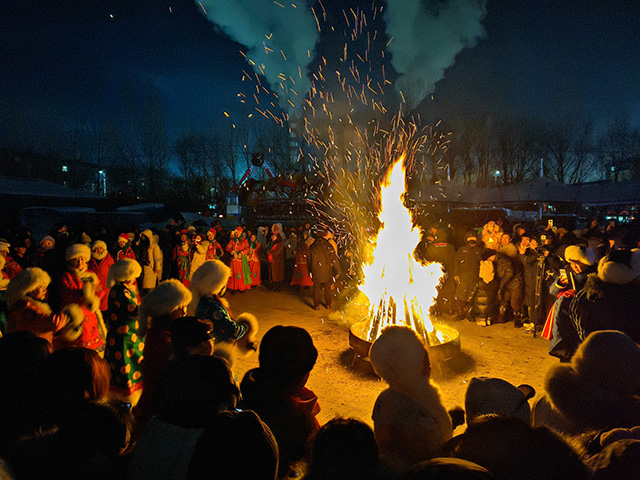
[(117, 359)]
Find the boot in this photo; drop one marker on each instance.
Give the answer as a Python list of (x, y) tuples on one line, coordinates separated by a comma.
[(517, 320)]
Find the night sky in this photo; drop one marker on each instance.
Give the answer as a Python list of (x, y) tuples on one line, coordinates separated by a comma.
[(88, 64)]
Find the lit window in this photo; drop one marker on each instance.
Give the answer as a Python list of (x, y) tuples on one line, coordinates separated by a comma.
[(65, 168)]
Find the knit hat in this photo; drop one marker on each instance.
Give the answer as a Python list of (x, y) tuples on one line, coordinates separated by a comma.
[(27, 280), (600, 388), (287, 353), (580, 253), (496, 396), (164, 299), (77, 250), (123, 270), (619, 266), (395, 351)]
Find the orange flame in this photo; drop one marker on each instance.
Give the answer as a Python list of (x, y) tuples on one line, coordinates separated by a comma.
[(400, 290)]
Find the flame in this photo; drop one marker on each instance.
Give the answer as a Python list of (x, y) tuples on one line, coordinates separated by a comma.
[(400, 289)]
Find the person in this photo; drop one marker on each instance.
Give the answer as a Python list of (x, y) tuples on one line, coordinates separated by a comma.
[(207, 289), (157, 312), (608, 300), (229, 433), (254, 261), (344, 449), (214, 249), (301, 276), (150, 259), (290, 245), (599, 389), (124, 248), (182, 258), (28, 310), (444, 253), (238, 248), (510, 286), (198, 252), (100, 263), (276, 391), (275, 257), (484, 301), (495, 396), (125, 345), (558, 328), (466, 273), (409, 420), (11, 267), (192, 336), (80, 286), (510, 448), (190, 393), (325, 267)]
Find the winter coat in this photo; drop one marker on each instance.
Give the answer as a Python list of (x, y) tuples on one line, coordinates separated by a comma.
[(485, 299), (508, 273), (323, 261), (101, 269), (292, 419), (530, 272), (199, 256), (152, 272), (275, 256), (607, 306), (466, 266), (34, 316)]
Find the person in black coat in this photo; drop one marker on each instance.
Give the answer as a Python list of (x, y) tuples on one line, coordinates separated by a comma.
[(466, 270)]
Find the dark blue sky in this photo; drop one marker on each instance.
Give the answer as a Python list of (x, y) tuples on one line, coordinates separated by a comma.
[(72, 63)]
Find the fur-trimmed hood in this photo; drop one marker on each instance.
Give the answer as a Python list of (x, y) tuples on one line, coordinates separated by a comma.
[(619, 266), (77, 250), (601, 387), (24, 282)]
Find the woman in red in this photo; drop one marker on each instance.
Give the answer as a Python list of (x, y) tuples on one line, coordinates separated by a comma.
[(238, 247), (301, 275), (81, 286), (100, 263)]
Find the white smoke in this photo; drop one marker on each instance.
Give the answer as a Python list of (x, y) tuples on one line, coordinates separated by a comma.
[(425, 37), (280, 38)]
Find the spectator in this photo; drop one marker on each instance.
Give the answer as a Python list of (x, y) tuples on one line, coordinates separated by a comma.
[(494, 396), (301, 276), (325, 267), (276, 391), (444, 253), (192, 336), (124, 248), (151, 260), (466, 271), (198, 253), (190, 393), (410, 422), (229, 434), (275, 258), (485, 300)]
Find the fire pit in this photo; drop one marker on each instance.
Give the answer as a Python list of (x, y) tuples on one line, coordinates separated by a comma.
[(441, 351)]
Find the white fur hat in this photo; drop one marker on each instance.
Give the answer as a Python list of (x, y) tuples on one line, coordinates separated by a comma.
[(580, 253), (123, 270), (209, 278), (600, 388), (77, 250), (164, 299), (619, 266), (397, 353), (4, 247), (24, 282), (98, 243)]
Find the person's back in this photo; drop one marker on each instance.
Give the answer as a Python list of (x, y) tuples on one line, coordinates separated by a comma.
[(276, 390)]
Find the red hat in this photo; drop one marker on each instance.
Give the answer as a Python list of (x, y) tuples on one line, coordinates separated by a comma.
[(124, 236), (184, 231)]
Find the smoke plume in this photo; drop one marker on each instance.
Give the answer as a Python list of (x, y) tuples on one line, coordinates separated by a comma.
[(425, 37), (280, 38)]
